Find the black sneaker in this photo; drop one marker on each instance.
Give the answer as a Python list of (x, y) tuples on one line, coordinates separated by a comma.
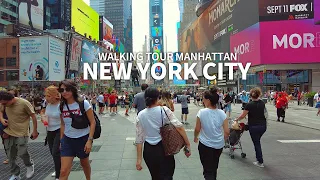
[(278, 120), (182, 122), (186, 123), (283, 120)]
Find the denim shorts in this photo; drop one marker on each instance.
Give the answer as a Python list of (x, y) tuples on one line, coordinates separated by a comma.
[(228, 108), (74, 147)]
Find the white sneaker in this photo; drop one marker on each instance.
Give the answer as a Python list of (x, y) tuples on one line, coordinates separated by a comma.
[(53, 174), (14, 177), (258, 164), (30, 170)]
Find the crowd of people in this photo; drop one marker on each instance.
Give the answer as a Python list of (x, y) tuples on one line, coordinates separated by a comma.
[(69, 118)]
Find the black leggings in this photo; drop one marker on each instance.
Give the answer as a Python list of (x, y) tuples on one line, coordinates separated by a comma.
[(281, 113), (161, 167), (54, 146), (209, 158)]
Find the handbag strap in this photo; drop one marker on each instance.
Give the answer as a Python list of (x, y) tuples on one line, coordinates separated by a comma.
[(71, 114), (162, 109)]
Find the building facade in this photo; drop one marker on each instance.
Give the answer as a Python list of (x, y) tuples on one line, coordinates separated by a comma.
[(188, 12), (9, 14), (99, 6), (57, 15), (9, 61)]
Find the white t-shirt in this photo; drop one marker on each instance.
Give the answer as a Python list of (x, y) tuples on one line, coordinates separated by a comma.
[(316, 96), (53, 113), (212, 134), (100, 98), (69, 131)]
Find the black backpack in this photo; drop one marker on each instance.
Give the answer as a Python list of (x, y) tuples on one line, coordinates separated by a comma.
[(97, 131)]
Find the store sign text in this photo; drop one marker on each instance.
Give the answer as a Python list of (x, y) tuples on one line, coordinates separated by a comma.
[(296, 41)]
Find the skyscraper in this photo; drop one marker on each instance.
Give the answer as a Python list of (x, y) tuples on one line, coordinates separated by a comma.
[(118, 12), (188, 12)]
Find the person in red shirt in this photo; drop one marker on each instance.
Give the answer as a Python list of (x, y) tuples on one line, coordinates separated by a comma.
[(106, 100), (112, 102), (299, 98), (281, 105)]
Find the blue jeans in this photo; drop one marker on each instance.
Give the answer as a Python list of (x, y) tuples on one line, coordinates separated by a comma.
[(256, 133)]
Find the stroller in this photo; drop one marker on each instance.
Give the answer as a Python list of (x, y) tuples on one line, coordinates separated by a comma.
[(233, 142)]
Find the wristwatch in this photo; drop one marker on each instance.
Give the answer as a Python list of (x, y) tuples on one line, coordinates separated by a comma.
[(90, 138)]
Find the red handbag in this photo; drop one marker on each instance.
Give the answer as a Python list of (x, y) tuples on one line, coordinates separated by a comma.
[(172, 141)]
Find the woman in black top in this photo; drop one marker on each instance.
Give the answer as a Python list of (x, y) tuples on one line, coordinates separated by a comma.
[(256, 121)]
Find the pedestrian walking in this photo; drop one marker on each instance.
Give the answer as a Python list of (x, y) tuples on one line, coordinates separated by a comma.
[(101, 102), (257, 122), (94, 102), (113, 102), (318, 103), (19, 112), (76, 136), (166, 100), (227, 104), (281, 105), (127, 103), (212, 125), (139, 100), (50, 117), (184, 108), (149, 122), (244, 99)]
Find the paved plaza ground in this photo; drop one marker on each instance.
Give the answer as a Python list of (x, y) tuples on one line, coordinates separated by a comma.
[(114, 155)]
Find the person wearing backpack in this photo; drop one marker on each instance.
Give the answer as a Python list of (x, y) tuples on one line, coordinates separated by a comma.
[(77, 129)]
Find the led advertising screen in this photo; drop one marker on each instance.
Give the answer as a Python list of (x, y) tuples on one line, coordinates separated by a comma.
[(247, 45), (290, 42), (106, 29), (317, 12), (84, 19), (156, 31), (31, 13), (75, 53), (56, 59), (276, 10)]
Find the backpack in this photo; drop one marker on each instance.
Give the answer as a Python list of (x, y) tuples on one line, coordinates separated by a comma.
[(97, 132)]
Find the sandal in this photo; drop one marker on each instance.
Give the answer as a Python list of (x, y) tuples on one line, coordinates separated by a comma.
[(6, 161)]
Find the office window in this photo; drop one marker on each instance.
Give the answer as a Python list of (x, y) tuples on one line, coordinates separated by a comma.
[(12, 75), (14, 49), (1, 62), (1, 75), (11, 62)]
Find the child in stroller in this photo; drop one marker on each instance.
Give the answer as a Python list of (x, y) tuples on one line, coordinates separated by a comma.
[(234, 142)]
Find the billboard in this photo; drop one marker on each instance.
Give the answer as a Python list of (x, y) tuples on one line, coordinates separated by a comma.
[(84, 19), (276, 10), (31, 14), (247, 45), (317, 12), (56, 59), (156, 31), (34, 61), (89, 53), (106, 29), (215, 25), (290, 42), (76, 46)]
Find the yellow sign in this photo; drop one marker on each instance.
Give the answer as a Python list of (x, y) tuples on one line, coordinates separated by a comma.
[(84, 19)]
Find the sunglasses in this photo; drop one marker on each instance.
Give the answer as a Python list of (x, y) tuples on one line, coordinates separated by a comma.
[(61, 90)]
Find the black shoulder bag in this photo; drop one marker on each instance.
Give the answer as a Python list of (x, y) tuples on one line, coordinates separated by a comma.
[(78, 121)]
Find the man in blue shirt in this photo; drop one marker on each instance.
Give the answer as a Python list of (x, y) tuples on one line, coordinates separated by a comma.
[(244, 99)]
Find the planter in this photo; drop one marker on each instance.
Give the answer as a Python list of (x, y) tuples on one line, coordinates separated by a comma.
[(310, 102)]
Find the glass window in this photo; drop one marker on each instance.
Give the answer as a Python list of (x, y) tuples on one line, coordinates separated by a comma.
[(1, 75), (11, 62), (12, 75), (14, 49), (1, 62)]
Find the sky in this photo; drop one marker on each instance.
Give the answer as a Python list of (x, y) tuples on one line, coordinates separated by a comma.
[(140, 23)]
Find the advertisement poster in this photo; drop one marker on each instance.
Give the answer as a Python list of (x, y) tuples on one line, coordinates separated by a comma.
[(76, 46), (84, 19), (290, 42), (317, 12), (106, 29), (31, 13), (277, 10), (220, 20), (156, 31), (89, 53), (56, 59), (247, 45), (34, 63)]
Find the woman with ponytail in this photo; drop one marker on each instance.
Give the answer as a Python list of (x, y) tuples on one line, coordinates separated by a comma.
[(212, 125), (149, 122)]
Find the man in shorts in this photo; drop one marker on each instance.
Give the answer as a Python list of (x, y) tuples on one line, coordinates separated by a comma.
[(101, 103), (184, 108), (112, 102)]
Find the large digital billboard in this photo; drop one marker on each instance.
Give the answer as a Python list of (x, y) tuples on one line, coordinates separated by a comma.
[(31, 13), (76, 46), (84, 19), (317, 12), (106, 29), (156, 31), (286, 42), (275, 10), (56, 59)]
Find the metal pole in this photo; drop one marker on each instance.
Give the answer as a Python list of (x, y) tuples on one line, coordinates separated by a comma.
[(238, 76), (32, 80)]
